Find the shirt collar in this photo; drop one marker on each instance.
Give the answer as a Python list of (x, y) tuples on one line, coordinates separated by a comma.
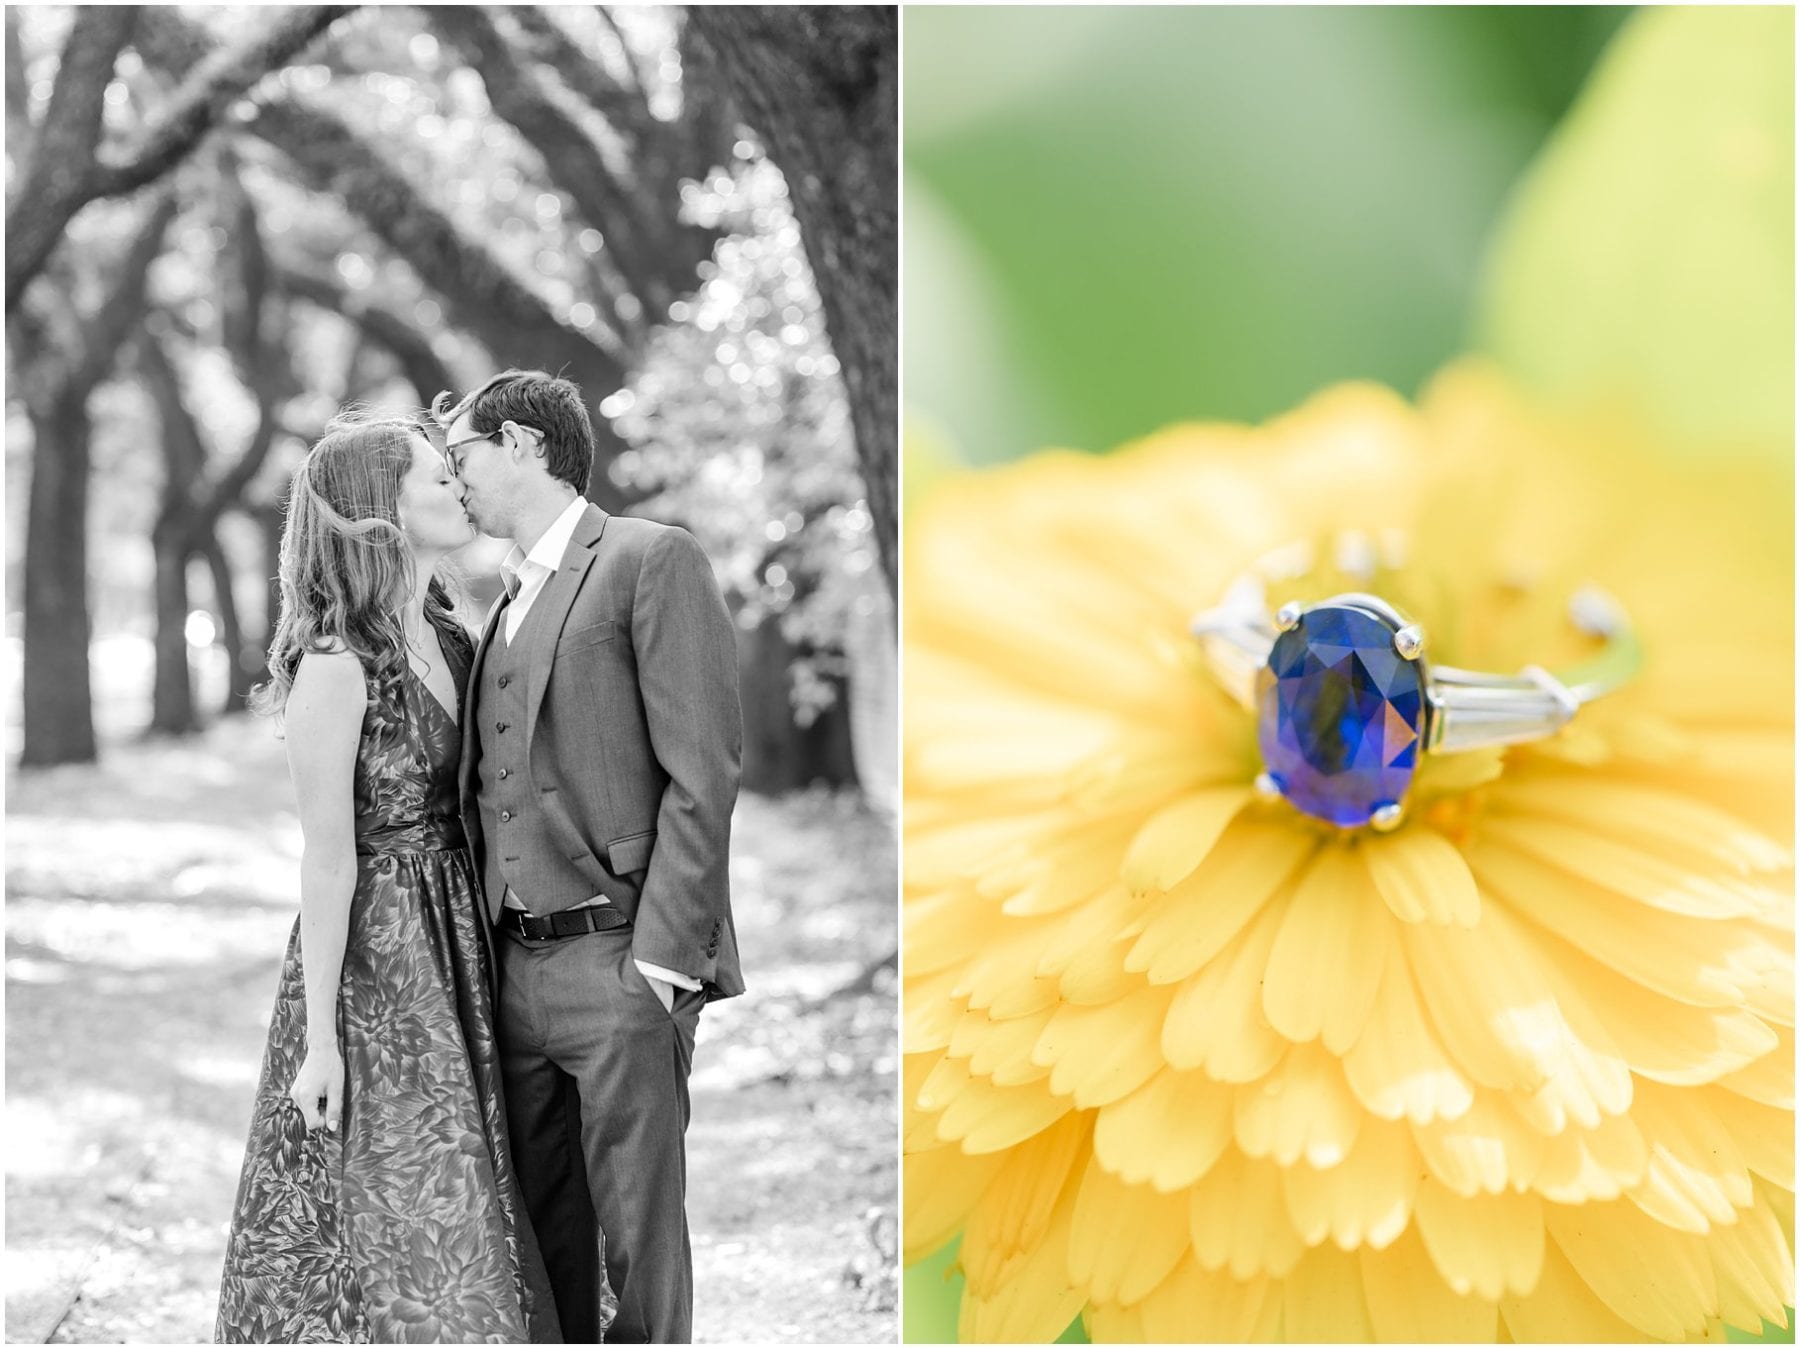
[(548, 551)]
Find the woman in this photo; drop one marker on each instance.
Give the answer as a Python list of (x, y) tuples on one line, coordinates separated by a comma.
[(377, 1201)]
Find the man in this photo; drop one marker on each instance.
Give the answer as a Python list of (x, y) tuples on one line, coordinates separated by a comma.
[(601, 734)]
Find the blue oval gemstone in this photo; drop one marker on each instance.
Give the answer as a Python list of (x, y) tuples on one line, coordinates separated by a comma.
[(1340, 714)]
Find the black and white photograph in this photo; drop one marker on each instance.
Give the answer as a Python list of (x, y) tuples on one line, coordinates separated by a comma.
[(451, 725)]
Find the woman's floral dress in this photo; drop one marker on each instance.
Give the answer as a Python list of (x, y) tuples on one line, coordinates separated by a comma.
[(405, 1225)]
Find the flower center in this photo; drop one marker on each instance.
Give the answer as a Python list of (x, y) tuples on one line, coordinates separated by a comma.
[(1340, 714)]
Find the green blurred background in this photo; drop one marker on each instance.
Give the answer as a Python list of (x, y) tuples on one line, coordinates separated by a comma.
[(1120, 218)]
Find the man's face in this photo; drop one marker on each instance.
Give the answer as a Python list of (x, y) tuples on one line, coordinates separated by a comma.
[(484, 470)]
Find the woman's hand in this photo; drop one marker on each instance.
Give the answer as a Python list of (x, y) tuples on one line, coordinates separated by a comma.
[(320, 1083)]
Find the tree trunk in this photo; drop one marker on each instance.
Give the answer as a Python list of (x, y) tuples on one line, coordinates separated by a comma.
[(243, 659), (59, 703), (172, 699), (819, 83), (53, 381), (269, 517)]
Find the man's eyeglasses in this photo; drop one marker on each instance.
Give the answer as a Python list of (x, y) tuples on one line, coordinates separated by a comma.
[(451, 447)]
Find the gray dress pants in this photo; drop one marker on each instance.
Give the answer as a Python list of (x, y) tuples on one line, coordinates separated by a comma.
[(596, 1080)]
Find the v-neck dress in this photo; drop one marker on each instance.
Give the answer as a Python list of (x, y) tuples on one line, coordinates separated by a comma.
[(405, 1225)]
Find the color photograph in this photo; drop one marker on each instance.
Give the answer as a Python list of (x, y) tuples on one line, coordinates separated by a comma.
[(1348, 686)]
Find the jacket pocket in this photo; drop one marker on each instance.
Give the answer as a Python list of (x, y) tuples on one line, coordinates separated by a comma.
[(594, 634), (631, 853)]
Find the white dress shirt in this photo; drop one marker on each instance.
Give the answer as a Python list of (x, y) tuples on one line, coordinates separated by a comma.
[(533, 570)]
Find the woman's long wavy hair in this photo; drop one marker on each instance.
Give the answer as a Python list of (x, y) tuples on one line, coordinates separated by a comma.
[(345, 563)]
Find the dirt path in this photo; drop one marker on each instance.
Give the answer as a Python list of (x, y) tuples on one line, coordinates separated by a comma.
[(148, 901)]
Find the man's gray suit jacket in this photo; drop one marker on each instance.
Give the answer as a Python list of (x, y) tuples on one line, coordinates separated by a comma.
[(633, 737)]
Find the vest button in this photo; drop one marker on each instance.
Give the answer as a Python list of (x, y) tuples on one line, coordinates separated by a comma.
[(505, 771), (504, 680), (500, 726), (505, 815)]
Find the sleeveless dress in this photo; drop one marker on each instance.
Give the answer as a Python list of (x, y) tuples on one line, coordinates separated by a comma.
[(405, 1224)]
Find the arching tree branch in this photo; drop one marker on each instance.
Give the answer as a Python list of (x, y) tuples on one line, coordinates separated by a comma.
[(211, 87), (384, 326), (62, 162)]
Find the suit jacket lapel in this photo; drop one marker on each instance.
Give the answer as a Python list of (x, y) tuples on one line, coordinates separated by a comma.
[(551, 608)]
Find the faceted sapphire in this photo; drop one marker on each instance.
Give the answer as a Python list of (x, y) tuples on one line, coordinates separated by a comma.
[(1340, 714)]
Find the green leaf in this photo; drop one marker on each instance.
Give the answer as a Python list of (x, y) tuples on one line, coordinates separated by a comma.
[(1135, 215), (932, 1295), (1649, 256)]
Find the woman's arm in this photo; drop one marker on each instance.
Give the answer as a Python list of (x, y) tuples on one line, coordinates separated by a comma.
[(324, 722)]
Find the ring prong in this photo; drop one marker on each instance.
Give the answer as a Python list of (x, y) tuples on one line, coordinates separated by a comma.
[(1387, 818), (1287, 617), (1267, 789), (1409, 641)]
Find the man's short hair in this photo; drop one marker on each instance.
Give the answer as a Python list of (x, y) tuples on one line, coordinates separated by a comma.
[(538, 400)]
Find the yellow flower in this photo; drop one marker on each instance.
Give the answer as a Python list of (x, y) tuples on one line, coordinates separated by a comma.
[(1186, 1063)]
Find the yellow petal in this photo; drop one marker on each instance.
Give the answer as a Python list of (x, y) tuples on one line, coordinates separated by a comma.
[(1484, 1245), (1000, 1050), (985, 1117), (1486, 1150), (1490, 1000), (1627, 871), (1216, 1022), (1754, 1266), (1108, 1323), (1696, 1178), (1563, 1310), (1197, 1306), (1681, 958), (1322, 1300), (1764, 1135), (1302, 1109), (1659, 1039), (1003, 978), (1178, 837), (1409, 1305), (1126, 1238), (1013, 1216), (1101, 921), (930, 1013), (1580, 1166), (943, 930), (1658, 1280), (1366, 1199), (1328, 956), (919, 1123), (1037, 1302), (1099, 1054), (1769, 1079), (941, 1187), (1195, 920), (1097, 975), (1167, 1133), (1397, 1069), (1679, 828), (952, 852), (1234, 1186), (1422, 877), (1061, 871)]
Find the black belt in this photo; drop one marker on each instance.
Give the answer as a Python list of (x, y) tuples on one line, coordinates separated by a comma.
[(568, 923)]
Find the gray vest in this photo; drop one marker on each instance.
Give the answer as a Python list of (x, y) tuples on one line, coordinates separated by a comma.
[(520, 851)]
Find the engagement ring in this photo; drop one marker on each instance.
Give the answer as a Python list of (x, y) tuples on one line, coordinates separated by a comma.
[(1346, 700)]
